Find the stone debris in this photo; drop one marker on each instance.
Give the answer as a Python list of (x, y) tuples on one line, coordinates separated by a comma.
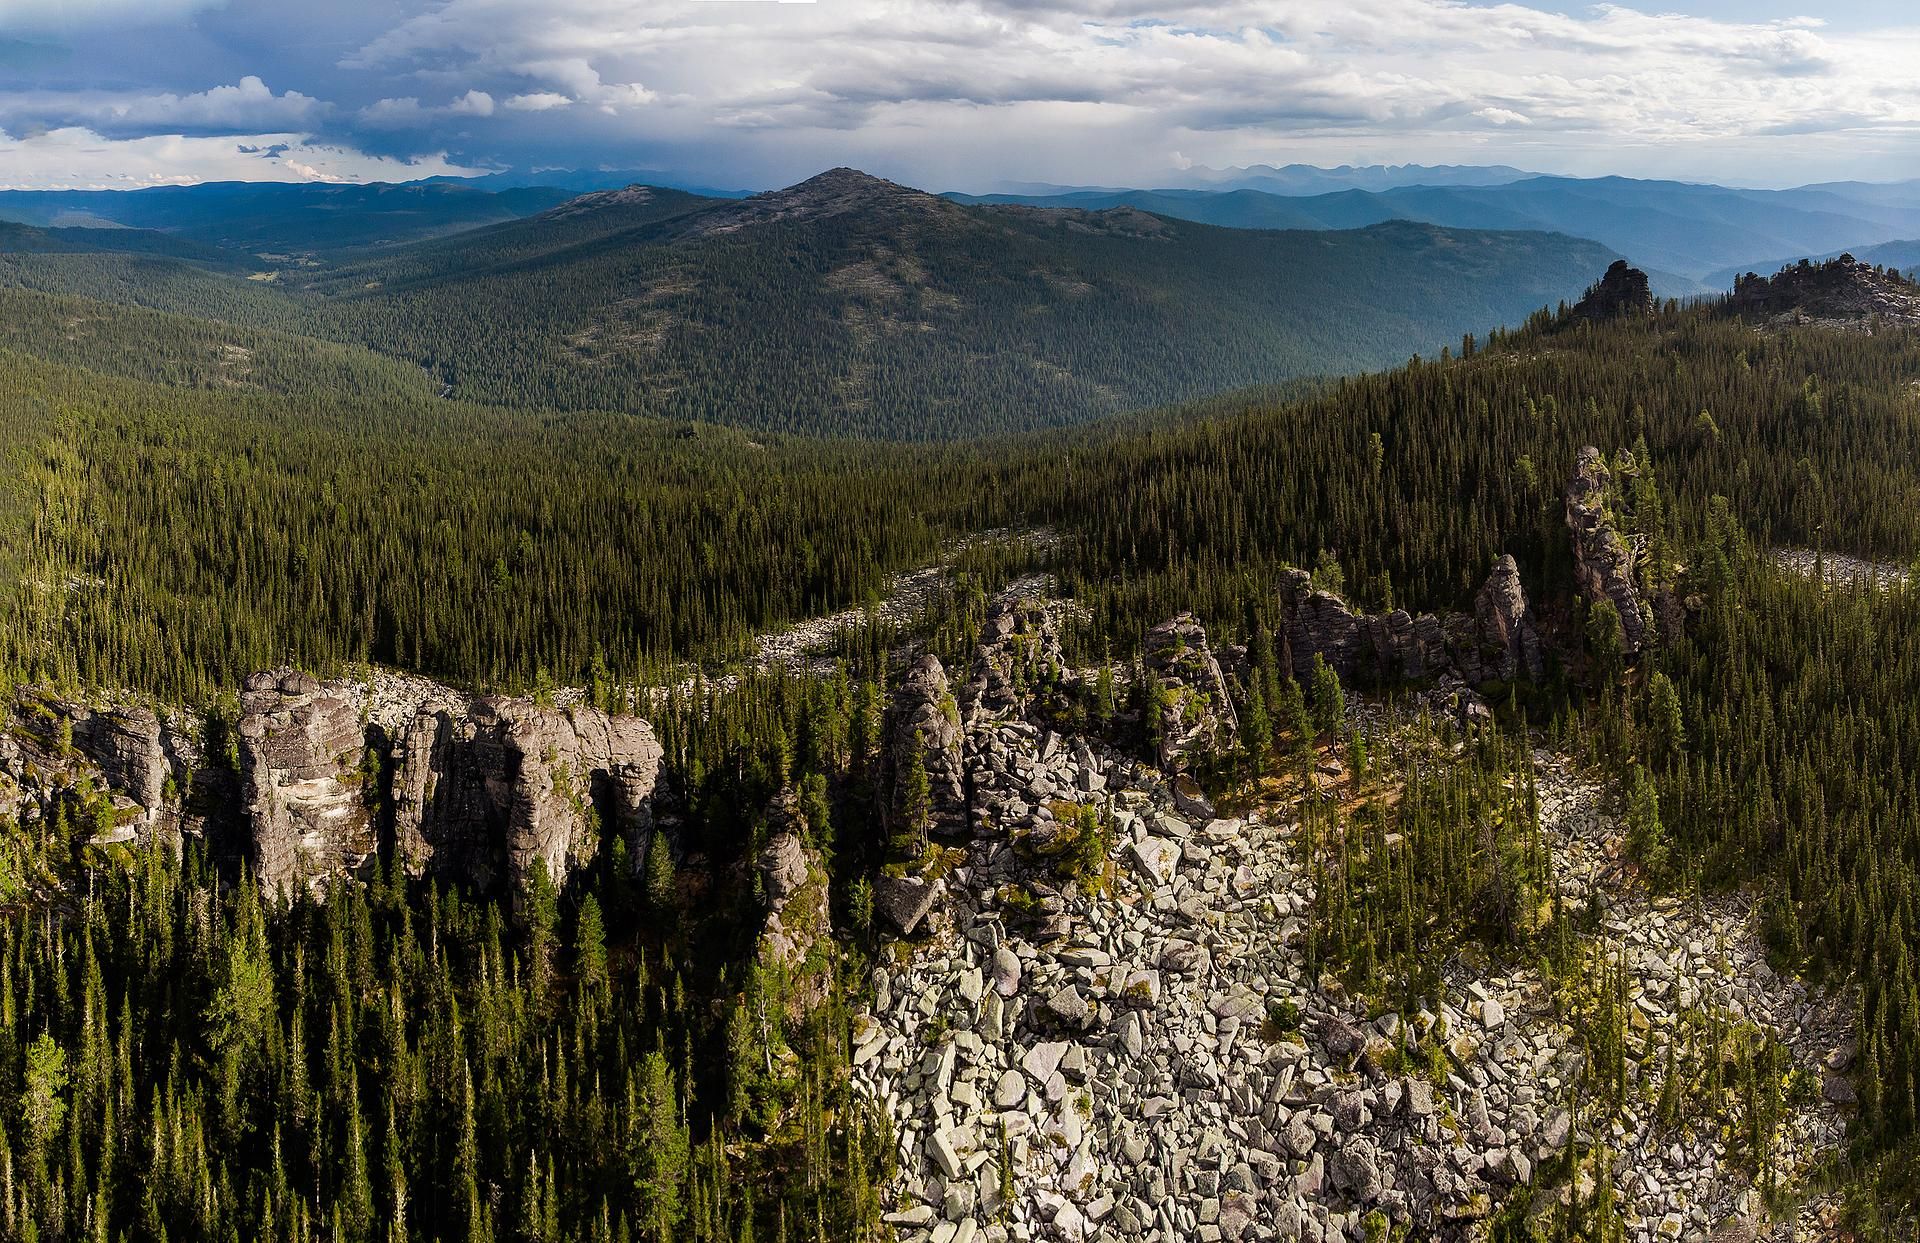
[(1150, 1061)]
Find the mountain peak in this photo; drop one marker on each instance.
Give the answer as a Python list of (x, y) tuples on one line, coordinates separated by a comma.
[(836, 192)]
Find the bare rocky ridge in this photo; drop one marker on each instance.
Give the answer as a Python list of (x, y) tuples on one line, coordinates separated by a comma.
[(1074, 1066), (1841, 292)]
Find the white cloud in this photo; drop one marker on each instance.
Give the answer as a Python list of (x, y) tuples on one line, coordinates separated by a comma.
[(1218, 79), (472, 104), (74, 157), (407, 112), (539, 101), (248, 106)]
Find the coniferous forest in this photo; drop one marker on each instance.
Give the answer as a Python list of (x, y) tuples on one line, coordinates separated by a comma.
[(196, 491)]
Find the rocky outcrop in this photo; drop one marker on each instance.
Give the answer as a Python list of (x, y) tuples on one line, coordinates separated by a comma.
[(1623, 292), (1019, 658), (482, 787), (1602, 562), (1841, 292), (1197, 717), (138, 759), (486, 792), (926, 718), (1497, 641), (1512, 641), (130, 747), (303, 788), (793, 885)]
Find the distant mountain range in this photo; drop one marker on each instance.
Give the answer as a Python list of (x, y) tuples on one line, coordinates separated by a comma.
[(1685, 235), (840, 306), (849, 305), (256, 218)]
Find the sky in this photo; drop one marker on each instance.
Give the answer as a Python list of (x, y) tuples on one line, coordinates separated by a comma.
[(951, 94)]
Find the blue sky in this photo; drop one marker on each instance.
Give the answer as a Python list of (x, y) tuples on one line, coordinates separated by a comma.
[(950, 93)]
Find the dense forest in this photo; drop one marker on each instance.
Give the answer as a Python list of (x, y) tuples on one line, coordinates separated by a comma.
[(189, 501)]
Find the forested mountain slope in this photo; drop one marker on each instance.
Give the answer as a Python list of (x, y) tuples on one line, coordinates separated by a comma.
[(849, 305)]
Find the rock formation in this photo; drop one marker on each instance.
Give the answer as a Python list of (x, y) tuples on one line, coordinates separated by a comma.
[(1497, 641), (794, 885), (1512, 642), (139, 759), (301, 747), (1602, 562), (926, 718), (485, 792), (481, 788), (1197, 717), (1843, 292), (1019, 657), (1623, 292)]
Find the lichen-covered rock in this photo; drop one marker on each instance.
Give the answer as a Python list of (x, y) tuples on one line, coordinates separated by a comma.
[(1197, 715), (926, 717), (903, 901), (485, 792), (301, 746), (1602, 562), (793, 884)]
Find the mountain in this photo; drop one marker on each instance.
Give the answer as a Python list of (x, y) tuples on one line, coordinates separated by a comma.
[(1308, 179), (287, 219), (1683, 234), (852, 305)]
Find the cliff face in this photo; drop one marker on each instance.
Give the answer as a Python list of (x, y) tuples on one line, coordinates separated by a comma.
[(487, 792), (303, 791), (482, 788), (1602, 562)]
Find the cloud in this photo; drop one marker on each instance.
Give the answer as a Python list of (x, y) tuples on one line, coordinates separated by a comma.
[(248, 106), (74, 157), (407, 112), (970, 91), (539, 101), (68, 15)]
